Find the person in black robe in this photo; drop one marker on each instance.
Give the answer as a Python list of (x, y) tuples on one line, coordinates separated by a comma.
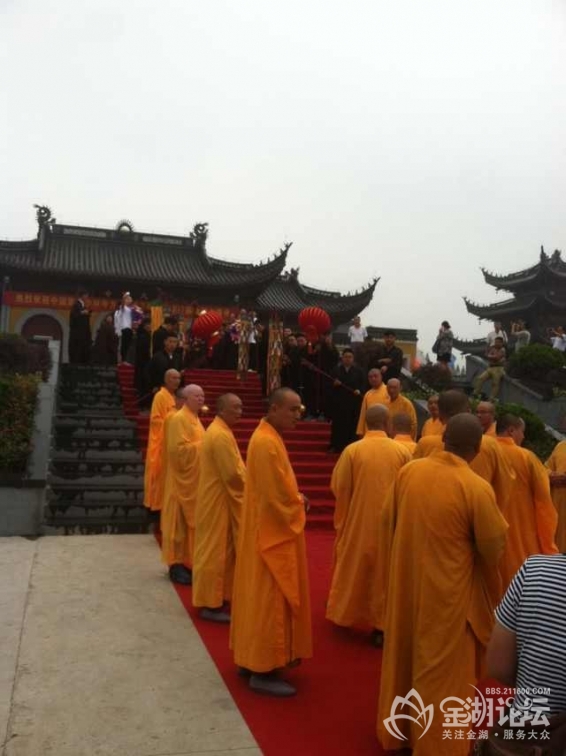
[(163, 361), (349, 382), (80, 338), (142, 359), (328, 358), (169, 327), (389, 358), (105, 349)]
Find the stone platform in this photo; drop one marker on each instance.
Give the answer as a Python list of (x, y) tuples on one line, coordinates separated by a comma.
[(100, 659)]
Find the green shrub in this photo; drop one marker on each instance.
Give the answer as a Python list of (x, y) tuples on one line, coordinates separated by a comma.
[(435, 377), (536, 438), (18, 397), (535, 362), (18, 355)]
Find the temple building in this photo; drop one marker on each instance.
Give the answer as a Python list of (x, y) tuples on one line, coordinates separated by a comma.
[(538, 297), (40, 278)]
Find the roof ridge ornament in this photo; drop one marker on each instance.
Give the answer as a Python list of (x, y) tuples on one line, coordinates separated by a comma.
[(44, 216), (199, 232), (125, 226)]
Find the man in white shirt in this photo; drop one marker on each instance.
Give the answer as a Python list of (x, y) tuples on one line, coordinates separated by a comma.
[(356, 332), (497, 333), (558, 340)]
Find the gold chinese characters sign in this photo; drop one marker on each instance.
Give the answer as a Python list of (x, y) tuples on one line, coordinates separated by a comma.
[(96, 304)]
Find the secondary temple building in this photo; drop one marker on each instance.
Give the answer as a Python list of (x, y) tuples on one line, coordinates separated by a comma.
[(40, 278), (538, 297)]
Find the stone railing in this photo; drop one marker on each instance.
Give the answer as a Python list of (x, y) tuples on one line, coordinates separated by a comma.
[(512, 391)]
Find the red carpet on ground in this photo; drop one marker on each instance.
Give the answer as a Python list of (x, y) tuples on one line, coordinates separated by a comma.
[(335, 709)]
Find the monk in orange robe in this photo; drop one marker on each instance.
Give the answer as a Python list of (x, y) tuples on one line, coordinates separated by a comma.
[(377, 394), (489, 464), (485, 412), (442, 536), (556, 465), (164, 402), (398, 404), (271, 616), (361, 480), (401, 426), (529, 510), (434, 425), (183, 438), (219, 507)]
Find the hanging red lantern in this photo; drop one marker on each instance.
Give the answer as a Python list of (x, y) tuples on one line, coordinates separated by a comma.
[(314, 321), (206, 324)]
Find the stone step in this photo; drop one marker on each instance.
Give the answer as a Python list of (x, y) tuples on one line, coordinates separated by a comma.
[(67, 432), (97, 524), (68, 444), (94, 422), (74, 468), (96, 456), (86, 488)]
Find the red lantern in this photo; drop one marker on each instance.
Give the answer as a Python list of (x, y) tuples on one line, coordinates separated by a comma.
[(206, 324), (314, 321)]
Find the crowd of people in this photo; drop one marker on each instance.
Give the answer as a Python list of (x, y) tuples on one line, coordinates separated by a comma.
[(432, 535)]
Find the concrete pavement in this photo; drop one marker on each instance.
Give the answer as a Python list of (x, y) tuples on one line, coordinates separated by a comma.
[(99, 658)]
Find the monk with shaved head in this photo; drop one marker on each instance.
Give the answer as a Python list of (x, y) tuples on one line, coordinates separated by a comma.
[(377, 394), (399, 404), (485, 412), (218, 512), (164, 402), (401, 426), (271, 617), (183, 438), (433, 426), (442, 536), (529, 510), (360, 482), (489, 463)]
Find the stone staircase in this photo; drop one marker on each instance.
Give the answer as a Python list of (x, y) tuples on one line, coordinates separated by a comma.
[(95, 482)]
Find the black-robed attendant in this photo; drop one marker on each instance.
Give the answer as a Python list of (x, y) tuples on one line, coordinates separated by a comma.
[(80, 338), (349, 382)]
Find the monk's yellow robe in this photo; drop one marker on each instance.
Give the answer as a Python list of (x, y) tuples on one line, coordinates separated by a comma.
[(271, 616), (219, 505), (183, 438), (442, 536), (163, 405), (405, 406), (556, 463), (490, 464), (433, 427), (360, 482), (371, 397), (529, 510), (406, 441)]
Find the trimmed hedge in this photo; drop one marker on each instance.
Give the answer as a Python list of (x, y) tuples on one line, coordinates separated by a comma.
[(22, 366), (17, 355), (18, 397), (535, 362)]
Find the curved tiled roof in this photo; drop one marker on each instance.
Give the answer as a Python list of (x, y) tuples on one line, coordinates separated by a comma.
[(286, 294), (85, 253), (548, 266)]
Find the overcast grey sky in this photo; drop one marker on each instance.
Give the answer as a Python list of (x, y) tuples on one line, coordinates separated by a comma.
[(413, 140)]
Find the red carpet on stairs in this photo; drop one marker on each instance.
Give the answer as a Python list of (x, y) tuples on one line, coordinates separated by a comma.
[(334, 712), (307, 444)]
